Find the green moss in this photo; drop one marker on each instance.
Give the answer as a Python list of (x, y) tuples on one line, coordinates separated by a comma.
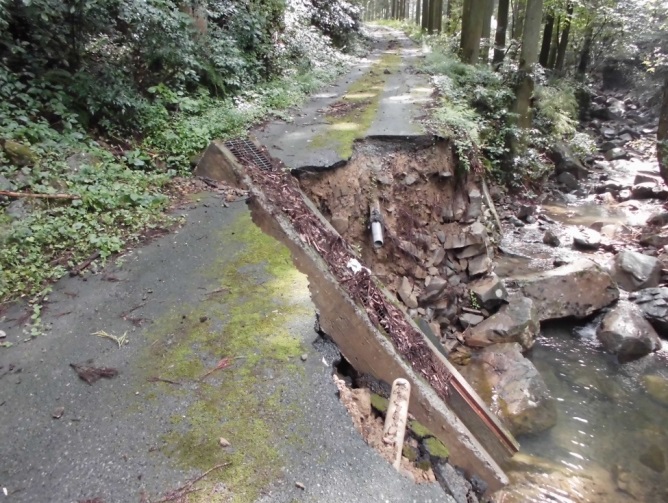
[(409, 452), (379, 403), (435, 448), (364, 99), (423, 464), (419, 430), (250, 324)]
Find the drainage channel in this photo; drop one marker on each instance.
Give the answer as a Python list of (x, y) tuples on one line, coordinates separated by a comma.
[(359, 312)]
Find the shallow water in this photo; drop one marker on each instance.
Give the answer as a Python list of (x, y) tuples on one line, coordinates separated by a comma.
[(606, 419)]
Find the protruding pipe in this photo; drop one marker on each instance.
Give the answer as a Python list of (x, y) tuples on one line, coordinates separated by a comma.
[(396, 418), (377, 234), (376, 223)]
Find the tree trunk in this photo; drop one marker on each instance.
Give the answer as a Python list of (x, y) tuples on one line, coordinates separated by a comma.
[(434, 16), (418, 11), (425, 14), (439, 16), (501, 28), (662, 135), (528, 57), (547, 40), (472, 31), (486, 31), (585, 55), (448, 15), (563, 43), (519, 7), (552, 58)]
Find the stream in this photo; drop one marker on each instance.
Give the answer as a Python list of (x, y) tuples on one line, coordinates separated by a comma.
[(610, 440)]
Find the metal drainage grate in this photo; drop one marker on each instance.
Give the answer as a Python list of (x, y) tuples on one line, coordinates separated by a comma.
[(245, 150)]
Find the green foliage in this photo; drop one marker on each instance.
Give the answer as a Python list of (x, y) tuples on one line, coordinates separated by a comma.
[(556, 108)]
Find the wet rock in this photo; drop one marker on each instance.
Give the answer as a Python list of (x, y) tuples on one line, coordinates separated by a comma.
[(587, 239), (655, 239), (635, 271), (642, 178), (657, 387), (659, 219), (551, 239), (625, 332), (405, 293), (523, 401), (625, 138), (569, 181), (457, 237), (525, 211), (616, 107), (454, 484), (515, 322), (643, 190), (470, 320), (515, 221), (574, 290), (616, 153), (489, 292), (566, 162), (653, 302), (479, 265), (608, 145), (654, 459)]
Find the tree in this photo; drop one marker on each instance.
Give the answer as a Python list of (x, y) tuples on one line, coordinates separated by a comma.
[(501, 29), (547, 40), (472, 20), (563, 43), (486, 31), (662, 134), (552, 57)]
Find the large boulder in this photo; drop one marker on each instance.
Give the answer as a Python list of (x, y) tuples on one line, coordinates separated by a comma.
[(458, 237), (574, 290), (635, 271), (520, 396), (566, 162), (653, 302), (515, 322), (625, 332)]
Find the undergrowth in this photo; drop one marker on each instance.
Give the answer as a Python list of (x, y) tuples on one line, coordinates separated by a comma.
[(114, 175)]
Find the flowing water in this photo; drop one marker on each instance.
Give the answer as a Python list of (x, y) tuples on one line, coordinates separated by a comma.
[(608, 428)]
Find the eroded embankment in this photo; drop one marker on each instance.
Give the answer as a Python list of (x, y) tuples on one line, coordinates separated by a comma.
[(355, 305)]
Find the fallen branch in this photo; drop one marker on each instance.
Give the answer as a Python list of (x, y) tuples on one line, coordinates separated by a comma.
[(179, 493), (10, 193), (224, 363), (162, 379), (85, 264)]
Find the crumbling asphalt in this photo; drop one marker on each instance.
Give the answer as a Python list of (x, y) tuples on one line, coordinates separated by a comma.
[(110, 441)]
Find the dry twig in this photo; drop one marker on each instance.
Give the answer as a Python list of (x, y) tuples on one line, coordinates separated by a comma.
[(180, 493)]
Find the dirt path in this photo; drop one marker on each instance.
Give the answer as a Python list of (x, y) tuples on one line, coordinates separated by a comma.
[(215, 293)]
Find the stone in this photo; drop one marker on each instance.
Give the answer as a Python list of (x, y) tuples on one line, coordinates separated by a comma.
[(643, 178), (5, 184), (522, 400), (635, 271), (574, 290), (643, 190), (654, 459), (471, 251), (625, 138), (653, 302), (616, 107), (410, 179), (80, 159), (655, 239), (568, 180), (608, 145), (489, 292), (475, 205), (18, 209), (58, 412), (470, 320), (433, 292), (20, 155), (438, 257), (566, 162), (658, 219), (457, 237), (454, 484), (525, 211), (405, 293), (340, 223), (657, 387), (616, 153), (441, 236), (625, 332), (515, 221), (515, 322), (551, 239), (479, 265), (588, 239)]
